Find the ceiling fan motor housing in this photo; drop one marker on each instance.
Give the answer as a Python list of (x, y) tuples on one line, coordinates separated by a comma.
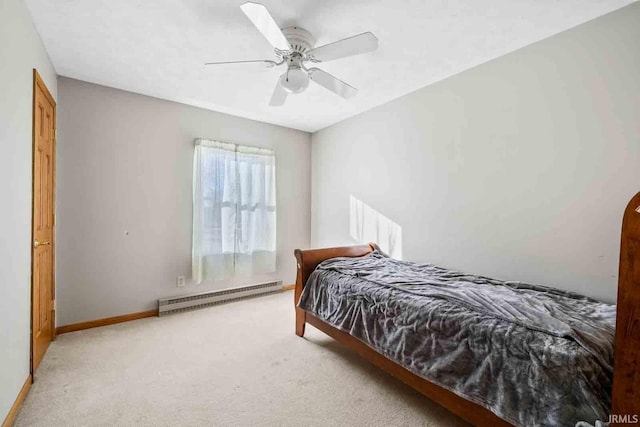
[(300, 39)]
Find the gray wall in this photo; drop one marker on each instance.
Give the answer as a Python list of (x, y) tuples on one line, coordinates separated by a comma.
[(125, 164), (518, 169), (20, 51)]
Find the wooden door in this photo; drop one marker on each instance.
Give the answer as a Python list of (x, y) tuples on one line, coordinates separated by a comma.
[(42, 274)]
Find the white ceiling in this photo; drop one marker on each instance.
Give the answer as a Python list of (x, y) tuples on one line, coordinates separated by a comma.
[(158, 47)]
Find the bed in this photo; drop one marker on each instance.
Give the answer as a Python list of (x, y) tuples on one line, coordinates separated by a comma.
[(492, 352)]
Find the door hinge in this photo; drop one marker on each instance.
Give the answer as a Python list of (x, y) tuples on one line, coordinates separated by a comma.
[(55, 133)]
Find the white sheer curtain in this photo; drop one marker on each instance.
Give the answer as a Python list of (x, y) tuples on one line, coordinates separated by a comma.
[(234, 210)]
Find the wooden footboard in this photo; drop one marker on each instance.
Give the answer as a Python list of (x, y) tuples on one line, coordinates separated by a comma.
[(626, 377), (625, 408)]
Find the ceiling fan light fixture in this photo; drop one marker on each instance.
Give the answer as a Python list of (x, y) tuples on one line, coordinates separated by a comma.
[(294, 80)]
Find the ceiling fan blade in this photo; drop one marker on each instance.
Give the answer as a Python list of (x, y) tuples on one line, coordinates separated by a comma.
[(331, 83), (264, 22), (279, 96), (268, 63), (362, 43)]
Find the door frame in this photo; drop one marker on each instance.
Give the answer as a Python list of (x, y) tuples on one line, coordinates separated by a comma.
[(38, 82)]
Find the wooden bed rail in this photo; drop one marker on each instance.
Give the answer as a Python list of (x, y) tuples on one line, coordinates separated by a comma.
[(625, 399)]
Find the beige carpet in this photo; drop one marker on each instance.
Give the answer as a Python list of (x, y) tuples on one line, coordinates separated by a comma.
[(238, 364)]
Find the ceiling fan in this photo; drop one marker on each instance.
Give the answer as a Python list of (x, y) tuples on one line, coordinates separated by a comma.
[(294, 46)]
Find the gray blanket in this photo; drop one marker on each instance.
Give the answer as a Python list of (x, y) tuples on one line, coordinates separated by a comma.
[(533, 355)]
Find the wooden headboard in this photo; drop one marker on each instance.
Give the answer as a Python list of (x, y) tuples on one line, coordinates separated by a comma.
[(308, 260), (626, 368)]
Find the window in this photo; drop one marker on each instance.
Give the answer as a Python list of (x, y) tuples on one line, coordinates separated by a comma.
[(234, 210)]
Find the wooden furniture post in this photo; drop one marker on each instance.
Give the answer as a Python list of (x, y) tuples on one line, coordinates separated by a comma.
[(297, 292), (625, 399)]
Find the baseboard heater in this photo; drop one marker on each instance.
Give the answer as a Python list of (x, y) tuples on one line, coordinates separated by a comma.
[(206, 299)]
